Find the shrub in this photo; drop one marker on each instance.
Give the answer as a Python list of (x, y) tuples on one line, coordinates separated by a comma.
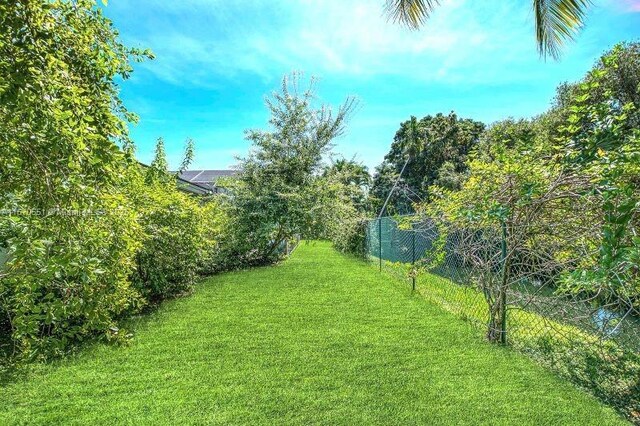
[(174, 242), (216, 223), (62, 130), (347, 203), (278, 194), (64, 148), (348, 235), (67, 277)]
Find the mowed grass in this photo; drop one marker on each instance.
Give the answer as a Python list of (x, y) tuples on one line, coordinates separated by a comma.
[(319, 339)]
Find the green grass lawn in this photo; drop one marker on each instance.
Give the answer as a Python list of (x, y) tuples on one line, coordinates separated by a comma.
[(319, 339)]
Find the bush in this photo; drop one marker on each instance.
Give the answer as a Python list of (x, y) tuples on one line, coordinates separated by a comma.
[(217, 226), (64, 148), (173, 245), (67, 277), (349, 235), (62, 133)]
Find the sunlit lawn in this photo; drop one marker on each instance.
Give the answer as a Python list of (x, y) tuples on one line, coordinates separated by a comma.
[(321, 338)]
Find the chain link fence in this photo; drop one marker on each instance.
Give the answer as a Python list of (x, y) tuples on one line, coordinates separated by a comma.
[(513, 297), (287, 246)]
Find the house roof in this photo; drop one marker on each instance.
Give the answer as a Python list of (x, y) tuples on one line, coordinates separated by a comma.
[(205, 178), (193, 187), (188, 186)]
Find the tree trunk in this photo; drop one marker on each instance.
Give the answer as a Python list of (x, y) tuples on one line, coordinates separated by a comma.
[(497, 329), (276, 242), (496, 326)]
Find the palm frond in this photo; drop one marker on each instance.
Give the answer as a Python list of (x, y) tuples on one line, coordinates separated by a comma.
[(412, 13), (557, 21)]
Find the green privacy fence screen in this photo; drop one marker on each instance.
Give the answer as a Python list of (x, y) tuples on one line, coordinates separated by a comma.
[(595, 346)]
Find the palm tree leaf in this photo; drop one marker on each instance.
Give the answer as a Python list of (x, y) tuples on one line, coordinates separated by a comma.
[(557, 21), (412, 13)]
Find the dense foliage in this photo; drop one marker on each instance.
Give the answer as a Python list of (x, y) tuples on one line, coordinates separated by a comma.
[(87, 237), (62, 130), (349, 205), (435, 150), (561, 193), (539, 218), (570, 203), (279, 192), (179, 231)]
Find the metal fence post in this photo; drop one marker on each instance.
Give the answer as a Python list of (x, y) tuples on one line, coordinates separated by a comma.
[(380, 240), (413, 258), (503, 290)]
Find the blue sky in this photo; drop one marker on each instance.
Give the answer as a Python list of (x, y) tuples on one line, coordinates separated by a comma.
[(216, 60)]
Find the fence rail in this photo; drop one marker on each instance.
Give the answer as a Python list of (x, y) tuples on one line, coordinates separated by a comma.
[(597, 346)]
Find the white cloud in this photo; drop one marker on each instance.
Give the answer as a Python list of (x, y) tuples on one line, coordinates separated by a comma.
[(195, 39), (477, 57)]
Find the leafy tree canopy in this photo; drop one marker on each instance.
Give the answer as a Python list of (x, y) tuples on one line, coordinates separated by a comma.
[(59, 100), (355, 179), (436, 148), (278, 193)]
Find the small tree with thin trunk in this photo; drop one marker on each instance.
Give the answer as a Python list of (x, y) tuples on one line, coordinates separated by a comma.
[(278, 193), (515, 221)]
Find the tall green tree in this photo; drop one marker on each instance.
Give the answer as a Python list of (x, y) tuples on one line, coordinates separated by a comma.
[(556, 21), (278, 193), (355, 179), (436, 148), (601, 137), (59, 100), (63, 128), (556, 202)]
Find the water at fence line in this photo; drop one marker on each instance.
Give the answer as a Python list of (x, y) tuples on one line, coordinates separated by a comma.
[(595, 345)]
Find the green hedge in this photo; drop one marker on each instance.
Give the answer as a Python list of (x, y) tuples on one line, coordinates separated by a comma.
[(69, 277), (174, 245)]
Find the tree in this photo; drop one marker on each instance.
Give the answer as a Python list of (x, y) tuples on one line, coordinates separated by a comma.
[(85, 239), (158, 170), (601, 138), (59, 100), (355, 179), (556, 21), (348, 205), (71, 235), (400, 200), (564, 201), (436, 148), (508, 134), (277, 193), (516, 219)]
